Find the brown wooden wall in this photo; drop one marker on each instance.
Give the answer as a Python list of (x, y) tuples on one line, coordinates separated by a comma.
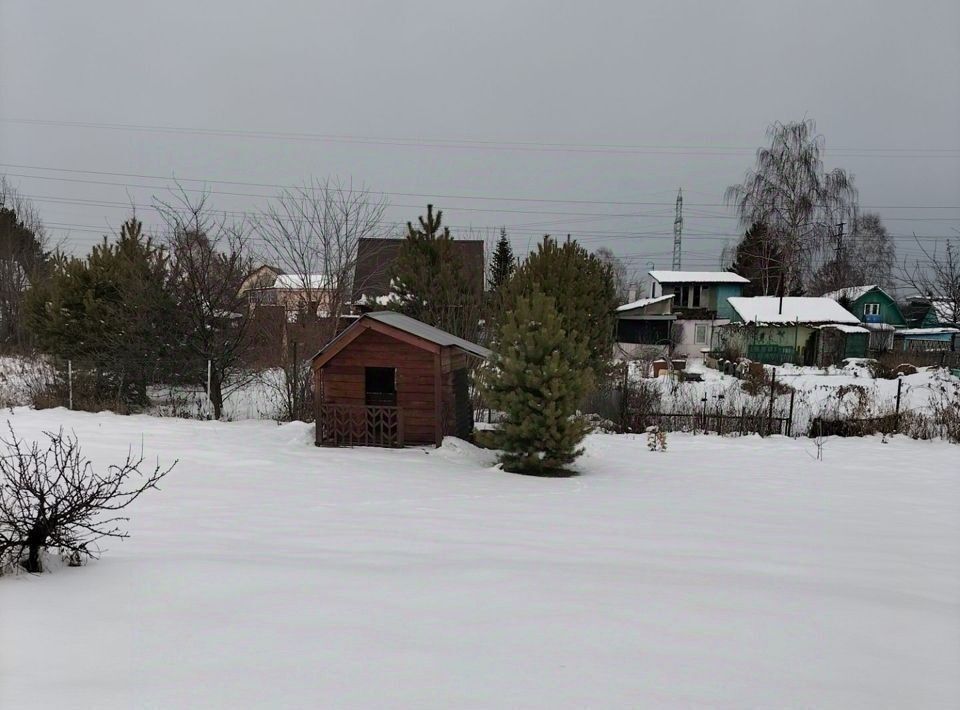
[(341, 380)]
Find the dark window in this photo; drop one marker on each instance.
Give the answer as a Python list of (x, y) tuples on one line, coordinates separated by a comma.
[(381, 386), (696, 296), (684, 295)]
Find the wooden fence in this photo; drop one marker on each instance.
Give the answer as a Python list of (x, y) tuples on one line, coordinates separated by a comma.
[(719, 422), (359, 425)]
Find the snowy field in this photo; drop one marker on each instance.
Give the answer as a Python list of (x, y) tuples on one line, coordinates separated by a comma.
[(723, 573)]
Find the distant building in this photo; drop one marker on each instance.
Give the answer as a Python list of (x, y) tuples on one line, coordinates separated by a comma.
[(794, 329), (645, 325), (876, 309), (375, 263), (700, 304)]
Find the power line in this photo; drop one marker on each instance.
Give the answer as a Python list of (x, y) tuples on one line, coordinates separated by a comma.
[(473, 144), (175, 179)]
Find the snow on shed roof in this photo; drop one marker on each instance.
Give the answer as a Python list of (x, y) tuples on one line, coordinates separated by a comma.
[(414, 327), (843, 328), (802, 309), (427, 332), (643, 302), (926, 331), (708, 277), (851, 293)]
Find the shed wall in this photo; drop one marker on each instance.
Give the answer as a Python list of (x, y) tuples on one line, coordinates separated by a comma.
[(342, 380)]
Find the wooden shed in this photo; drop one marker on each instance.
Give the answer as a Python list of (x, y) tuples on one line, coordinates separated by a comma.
[(391, 380)]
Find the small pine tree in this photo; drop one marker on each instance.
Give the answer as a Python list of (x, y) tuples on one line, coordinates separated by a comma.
[(502, 264), (583, 289), (537, 376), (429, 277)]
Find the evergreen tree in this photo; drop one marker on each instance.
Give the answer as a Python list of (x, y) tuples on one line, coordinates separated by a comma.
[(537, 376), (502, 264), (429, 278), (584, 291), (112, 312)]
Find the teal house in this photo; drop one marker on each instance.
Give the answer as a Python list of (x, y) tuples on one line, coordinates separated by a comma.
[(877, 311)]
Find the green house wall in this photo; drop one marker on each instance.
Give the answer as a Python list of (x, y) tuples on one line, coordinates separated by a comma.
[(725, 291), (890, 312)]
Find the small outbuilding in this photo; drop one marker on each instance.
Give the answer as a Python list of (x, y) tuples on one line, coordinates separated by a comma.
[(391, 380)]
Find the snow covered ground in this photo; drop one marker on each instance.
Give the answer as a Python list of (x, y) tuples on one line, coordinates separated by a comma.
[(722, 573)]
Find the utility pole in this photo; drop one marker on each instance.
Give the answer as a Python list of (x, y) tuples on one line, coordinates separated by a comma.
[(678, 230), (840, 241)]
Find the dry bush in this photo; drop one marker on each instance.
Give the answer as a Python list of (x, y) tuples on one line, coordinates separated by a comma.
[(52, 499)]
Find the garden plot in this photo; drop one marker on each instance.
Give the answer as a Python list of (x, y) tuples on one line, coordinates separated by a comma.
[(721, 573)]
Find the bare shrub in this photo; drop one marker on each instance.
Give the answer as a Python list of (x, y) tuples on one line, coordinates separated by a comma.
[(52, 498)]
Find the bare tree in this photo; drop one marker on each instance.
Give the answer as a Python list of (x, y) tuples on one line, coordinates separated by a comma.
[(790, 192), (23, 255), (208, 263), (874, 252), (53, 498), (618, 270), (312, 232), (936, 277)]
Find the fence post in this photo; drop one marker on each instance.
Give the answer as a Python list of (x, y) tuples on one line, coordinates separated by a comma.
[(790, 420), (209, 400), (773, 382), (896, 418), (70, 381)]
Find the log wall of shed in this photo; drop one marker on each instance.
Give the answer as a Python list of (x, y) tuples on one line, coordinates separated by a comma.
[(342, 380)]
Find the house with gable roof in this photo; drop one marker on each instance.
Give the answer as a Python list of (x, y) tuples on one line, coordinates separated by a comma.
[(877, 310)]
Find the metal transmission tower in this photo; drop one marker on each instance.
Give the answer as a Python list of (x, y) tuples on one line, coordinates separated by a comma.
[(678, 230)]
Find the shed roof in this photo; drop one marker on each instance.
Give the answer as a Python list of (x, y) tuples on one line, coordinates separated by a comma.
[(643, 302), (795, 309), (843, 328), (407, 325), (927, 331), (708, 277)]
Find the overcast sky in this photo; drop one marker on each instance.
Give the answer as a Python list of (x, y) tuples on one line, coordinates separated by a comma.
[(604, 102)]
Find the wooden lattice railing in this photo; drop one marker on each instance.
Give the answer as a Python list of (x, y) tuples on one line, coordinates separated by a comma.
[(359, 425)]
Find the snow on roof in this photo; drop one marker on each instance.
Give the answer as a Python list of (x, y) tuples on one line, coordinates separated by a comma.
[(927, 331), (851, 293), (795, 309), (709, 277), (294, 281), (944, 310), (845, 328), (643, 302), (427, 332)]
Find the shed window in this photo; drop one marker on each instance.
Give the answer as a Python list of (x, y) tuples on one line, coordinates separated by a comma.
[(871, 309), (381, 386)]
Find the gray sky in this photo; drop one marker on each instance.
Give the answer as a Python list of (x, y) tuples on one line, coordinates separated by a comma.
[(683, 90)]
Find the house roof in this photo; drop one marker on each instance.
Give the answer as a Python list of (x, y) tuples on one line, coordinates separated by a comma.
[(643, 302), (375, 259), (708, 277), (795, 309), (405, 324), (851, 293), (944, 310), (294, 281)]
